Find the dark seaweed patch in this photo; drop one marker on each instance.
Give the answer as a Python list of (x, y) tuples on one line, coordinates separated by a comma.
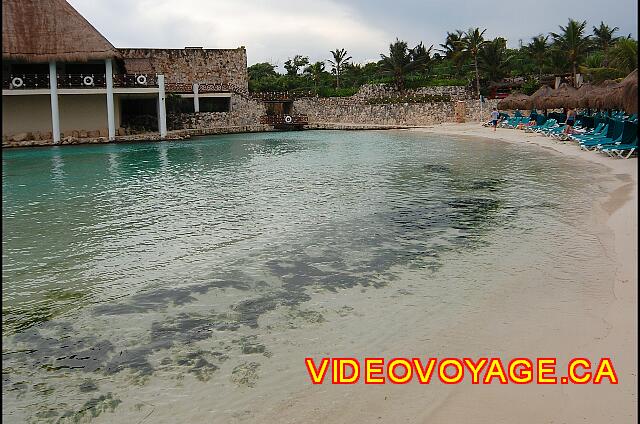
[(162, 298)]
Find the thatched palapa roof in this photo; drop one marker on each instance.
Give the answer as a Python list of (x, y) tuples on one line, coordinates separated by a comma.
[(514, 101), (536, 99), (45, 30), (630, 92), (584, 93), (605, 98), (563, 96)]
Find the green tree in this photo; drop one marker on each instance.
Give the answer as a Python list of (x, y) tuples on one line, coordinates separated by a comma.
[(604, 39), (452, 49), (594, 60), (261, 70), (315, 72), (292, 66), (624, 54), (472, 42), (399, 63), (422, 56), (494, 59), (339, 60), (538, 50), (572, 42), (452, 44)]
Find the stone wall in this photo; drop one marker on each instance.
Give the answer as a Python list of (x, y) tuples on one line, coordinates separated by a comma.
[(418, 109), (223, 66), (370, 91), (244, 111)]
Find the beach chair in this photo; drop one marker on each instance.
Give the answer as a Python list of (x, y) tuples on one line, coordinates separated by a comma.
[(627, 140), (614, 135), (621, 150), (536, 128), (601, 131), (594, 131)]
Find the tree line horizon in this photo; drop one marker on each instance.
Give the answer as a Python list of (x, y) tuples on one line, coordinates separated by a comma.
[(465, 58)]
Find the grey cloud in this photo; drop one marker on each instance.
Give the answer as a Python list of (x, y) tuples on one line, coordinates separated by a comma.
[(364, 27)]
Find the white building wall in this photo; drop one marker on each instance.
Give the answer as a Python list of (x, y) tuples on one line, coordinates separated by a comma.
[(32, 113)]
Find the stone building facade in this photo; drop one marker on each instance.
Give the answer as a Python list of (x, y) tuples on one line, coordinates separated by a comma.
[(244, 112), (191, 65)]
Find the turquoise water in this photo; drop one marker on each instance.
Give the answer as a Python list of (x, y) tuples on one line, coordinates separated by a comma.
[(118, 259)]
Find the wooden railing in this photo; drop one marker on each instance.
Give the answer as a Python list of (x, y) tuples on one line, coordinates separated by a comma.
[(284, 120), (204, 87), (282, 96)]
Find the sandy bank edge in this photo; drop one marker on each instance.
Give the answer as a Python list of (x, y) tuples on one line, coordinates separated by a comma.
[(620, 215)]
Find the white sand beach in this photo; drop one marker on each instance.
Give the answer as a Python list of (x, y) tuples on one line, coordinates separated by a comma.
[(520, 316), (571, 404)]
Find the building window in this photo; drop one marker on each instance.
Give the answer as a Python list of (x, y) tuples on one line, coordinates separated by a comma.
[(215, 104)]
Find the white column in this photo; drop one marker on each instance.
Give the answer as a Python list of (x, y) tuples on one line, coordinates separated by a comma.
[(55, 112), (162, 111), (196, 99), (111, 120)]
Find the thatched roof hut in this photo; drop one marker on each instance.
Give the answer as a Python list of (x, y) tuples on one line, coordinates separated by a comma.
[(514, 101), (584, 93), (630, 92), (606, 98), (46, 30), (563, 96), (536, 99)]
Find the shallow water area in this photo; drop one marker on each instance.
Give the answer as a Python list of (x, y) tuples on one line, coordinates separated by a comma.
[(192, 278)]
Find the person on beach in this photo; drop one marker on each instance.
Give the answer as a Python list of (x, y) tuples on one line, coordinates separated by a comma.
[(571, 120), (531, 123), (495, 117)]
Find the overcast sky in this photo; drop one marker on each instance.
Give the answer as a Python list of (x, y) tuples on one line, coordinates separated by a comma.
[(275, 30)]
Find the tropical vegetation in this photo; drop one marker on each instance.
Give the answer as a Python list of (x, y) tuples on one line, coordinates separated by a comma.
[(464, 58)]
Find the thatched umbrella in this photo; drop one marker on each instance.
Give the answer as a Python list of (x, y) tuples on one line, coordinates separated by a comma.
[(50, 30), (584, 93), (514, 101), (606, 98), (563, 96), (630, 92), (536, 99)]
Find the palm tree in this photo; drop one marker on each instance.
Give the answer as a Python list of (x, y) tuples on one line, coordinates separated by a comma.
[(624, 54), (604, 39), (471, 43), (452, 49), (422, 56), (538, 51), (339, 59), (573, 43), (315, 72), (399, 62), (451, 44), (494, 59)]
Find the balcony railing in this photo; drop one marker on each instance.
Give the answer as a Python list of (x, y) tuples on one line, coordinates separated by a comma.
[(35, 81), (282, 96), (203, 87), (135, 80), (22, 81), (284, 120)]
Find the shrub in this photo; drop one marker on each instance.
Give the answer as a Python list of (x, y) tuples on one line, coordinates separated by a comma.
[(597, 75)]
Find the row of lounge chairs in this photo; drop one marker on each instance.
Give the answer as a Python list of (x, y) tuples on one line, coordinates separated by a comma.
[(615, 135)]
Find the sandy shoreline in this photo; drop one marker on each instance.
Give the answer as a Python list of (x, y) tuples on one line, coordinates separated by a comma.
[(514, 318), (620, 214)]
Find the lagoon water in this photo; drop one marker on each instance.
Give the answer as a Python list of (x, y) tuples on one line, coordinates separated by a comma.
[(147, 279)]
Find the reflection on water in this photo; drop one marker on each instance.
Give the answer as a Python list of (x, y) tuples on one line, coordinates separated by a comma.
[(118, 260)]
